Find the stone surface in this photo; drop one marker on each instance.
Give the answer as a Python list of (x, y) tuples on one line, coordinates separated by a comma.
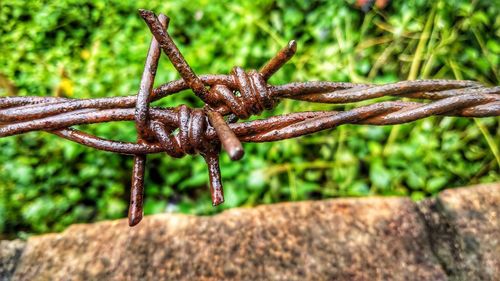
[(464, 227), (452, 237), (10, 252)]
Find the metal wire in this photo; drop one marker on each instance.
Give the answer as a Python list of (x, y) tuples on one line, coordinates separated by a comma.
[(181, 130)]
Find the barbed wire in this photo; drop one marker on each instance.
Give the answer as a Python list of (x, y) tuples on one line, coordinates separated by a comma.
[(182, 130)]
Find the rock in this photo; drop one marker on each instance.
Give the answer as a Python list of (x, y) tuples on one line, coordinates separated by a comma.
[(10, 252), (464, 227), (452, 237)]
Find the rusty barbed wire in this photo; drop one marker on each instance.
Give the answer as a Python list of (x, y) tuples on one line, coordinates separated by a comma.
[(181, 130)]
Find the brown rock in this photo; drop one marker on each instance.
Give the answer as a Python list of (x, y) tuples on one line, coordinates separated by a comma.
[(343, 239), (464, 227), (10, 252)]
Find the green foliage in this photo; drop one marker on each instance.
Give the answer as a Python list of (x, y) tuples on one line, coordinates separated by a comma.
[(89, 49)]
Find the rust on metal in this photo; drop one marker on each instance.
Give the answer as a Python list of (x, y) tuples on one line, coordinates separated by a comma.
[(182, 130), (135, 210)]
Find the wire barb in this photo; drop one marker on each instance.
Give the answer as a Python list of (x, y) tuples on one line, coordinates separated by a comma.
[(182, 130)]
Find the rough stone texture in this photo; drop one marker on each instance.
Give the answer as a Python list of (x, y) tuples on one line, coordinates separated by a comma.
[(10, 252), (453, 237), (464, 227)]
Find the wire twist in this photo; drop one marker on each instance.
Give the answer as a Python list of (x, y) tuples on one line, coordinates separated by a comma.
[(255, 96)]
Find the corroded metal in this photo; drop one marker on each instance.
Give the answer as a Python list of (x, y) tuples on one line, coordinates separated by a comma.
[(227, 99)]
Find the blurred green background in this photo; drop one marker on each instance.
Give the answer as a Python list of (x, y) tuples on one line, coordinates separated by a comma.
[(88, 49)]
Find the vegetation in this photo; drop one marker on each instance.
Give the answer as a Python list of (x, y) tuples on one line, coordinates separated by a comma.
[(84, 49)]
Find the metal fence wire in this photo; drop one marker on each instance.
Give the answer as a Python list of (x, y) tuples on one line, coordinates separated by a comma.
[(228, 98)]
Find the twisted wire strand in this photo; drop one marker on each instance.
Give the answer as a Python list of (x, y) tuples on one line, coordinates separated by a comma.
[(181, 130), (30, 108)]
